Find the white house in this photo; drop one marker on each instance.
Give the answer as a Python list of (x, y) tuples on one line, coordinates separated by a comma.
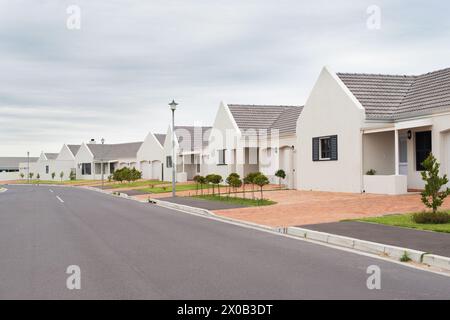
[(91, 156), (251, 138), (150, 156), (11, 167), (355, 123), (190, 148)]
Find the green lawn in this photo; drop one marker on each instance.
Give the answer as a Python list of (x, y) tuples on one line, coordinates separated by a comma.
[(181, 187), (140, 183), (405, 220), (240, 201)]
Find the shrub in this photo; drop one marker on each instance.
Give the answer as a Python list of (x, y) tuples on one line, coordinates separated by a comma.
[(432, 196), (261, 180), (371, 172), (281, 175), (405, 257), (431, 217), (72, 175)]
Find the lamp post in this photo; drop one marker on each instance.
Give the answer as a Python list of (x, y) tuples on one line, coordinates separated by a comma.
[(28, 167), (173, 107), (101, 165)]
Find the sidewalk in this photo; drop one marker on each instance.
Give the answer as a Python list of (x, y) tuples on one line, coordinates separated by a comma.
[(428, 241)]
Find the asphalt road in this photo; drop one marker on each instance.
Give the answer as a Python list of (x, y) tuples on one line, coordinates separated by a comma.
[(131, 250)]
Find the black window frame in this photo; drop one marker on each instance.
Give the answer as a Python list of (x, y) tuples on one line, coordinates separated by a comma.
[(316, 148), (86, 169), (422, 151), (169, 162), (224, 161)]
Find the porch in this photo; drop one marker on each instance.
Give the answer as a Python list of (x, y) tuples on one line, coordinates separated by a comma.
[(392, 157)]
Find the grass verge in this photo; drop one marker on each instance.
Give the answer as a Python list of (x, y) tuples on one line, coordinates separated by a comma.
[(140, 183), (181, 187), (406, 221), (235, 200)]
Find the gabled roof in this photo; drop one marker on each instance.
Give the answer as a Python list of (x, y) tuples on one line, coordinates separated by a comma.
[(197, 137), (13, 162), (51, 156), (114, 151), (266, 117), (390, 97), (73, 148), (161, 137)]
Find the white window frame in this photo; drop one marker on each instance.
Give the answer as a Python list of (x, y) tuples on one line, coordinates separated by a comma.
[(224, 160), (320, 148)]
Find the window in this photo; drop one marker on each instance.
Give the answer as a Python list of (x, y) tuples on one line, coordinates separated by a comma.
[(423, 148), (222, 157), (325, 148), (86, 169), (198, 167), (169, 162), (47, 169)]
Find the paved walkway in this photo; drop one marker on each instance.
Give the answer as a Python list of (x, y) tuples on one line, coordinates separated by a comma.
[(432, 242), (204, 204), (296, 207)]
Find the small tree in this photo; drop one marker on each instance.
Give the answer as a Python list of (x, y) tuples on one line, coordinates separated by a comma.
[(433, 196), (61, 175), (72, 175), (235, 183), (251, 179), (201, 180), (195, 179), (245, 181), (281, 175), (261, 180), (229, 179), (38, 176), (22, 175), (217, 180), (118, 175), (209, 180), (53, 175), (31, 174)]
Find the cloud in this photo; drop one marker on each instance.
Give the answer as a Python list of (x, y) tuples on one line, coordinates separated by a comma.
[(115, 76)]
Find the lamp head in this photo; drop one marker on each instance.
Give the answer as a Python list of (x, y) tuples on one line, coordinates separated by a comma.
[(173, 105)]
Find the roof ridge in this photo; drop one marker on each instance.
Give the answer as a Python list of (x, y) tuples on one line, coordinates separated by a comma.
[(263, 105), (378, 74)]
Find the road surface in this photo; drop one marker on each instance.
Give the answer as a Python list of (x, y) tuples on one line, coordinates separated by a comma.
[(131, 250)]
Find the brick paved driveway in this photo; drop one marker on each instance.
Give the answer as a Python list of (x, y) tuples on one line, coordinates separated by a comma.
[(296, 208)]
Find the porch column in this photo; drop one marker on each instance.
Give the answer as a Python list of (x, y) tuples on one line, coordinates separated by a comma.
[(182, 159), (397, 154)]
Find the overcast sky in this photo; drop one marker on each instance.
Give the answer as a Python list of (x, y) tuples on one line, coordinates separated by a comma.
[(114, 76)]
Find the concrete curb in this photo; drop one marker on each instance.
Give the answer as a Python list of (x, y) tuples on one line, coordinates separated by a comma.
[(372, 247), (181, 207)]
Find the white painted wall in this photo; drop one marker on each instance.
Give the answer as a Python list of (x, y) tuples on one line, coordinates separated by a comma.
[(151, 150), (223, 124), (330, 110), (5, 176), (84, 155), (379, 152), (168, 152)]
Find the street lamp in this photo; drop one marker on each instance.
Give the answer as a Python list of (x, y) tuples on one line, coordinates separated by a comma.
[(101, 166), (173, 107), (28, 168)]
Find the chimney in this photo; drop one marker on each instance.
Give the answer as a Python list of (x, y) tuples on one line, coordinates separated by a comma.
[(92, 141)]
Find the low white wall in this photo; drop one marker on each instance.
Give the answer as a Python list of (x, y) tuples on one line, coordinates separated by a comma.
[(391, 184)]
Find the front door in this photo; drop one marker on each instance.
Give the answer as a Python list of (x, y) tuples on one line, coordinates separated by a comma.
[(403, 153)]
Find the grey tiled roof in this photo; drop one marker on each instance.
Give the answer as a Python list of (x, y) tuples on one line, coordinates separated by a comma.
[(114, 151), (51, 156), (192, 138), (73, 148), (391, 97), (161, 137), (13, 162), (262, 117)]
